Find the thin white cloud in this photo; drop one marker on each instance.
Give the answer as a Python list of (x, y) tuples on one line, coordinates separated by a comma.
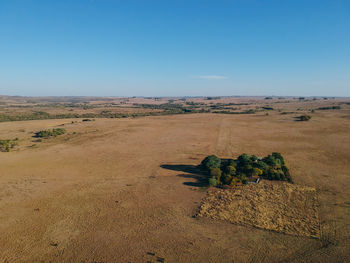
[(212, 77)]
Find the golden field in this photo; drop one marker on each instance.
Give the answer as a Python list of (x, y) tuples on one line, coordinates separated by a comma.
[(102, 192)]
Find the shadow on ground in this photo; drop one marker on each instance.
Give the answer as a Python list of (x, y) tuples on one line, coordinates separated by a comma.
[(191, 171)]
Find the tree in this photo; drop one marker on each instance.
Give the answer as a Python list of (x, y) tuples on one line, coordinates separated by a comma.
[(277, 176), (262, 165), (257, 172), (211, 161), (253, 158), (226, 179), (278, 156), (244, 159), (215, 173), (231, 170), (247, 169), (272, 161), (283, 177), (212, 182), (241, 177), (231, 162)]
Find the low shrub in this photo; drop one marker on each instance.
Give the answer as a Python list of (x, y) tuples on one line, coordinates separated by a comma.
[(50, 133), (6, 145)]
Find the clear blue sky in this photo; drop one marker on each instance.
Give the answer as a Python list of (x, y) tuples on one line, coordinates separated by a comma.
[(175, 48)]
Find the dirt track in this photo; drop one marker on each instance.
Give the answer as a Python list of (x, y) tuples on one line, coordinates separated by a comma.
[(101, 195)]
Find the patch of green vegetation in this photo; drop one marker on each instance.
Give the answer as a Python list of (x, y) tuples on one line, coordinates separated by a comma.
[(330, 108), (244, 169), (211, 162), (50, 133), (6, 145)]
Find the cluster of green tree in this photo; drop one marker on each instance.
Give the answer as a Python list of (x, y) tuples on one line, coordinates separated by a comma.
[(330, 108), (245, 167), (6, 145), (50, 133)]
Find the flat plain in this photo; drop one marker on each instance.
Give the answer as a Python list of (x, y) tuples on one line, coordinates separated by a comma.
[(122, 190)]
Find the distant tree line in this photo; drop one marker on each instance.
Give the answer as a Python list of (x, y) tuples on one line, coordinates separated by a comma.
[(330, 108)]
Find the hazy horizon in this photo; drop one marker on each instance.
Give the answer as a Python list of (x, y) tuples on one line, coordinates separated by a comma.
[(179, 96)]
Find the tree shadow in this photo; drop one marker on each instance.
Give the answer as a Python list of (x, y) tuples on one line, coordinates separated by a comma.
[(302, 118), (191, 171)]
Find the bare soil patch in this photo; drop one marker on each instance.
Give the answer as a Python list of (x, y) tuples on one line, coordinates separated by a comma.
[(278, 206)]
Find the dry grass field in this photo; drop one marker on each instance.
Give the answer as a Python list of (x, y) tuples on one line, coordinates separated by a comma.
[(122, 190), (278, 206)]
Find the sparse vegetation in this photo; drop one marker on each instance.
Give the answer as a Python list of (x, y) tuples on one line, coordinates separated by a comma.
[(245, 169), (330, 108), (50, 133), (108, 147), (7, 145)]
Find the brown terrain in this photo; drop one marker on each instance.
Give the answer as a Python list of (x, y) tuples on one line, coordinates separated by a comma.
[(125, 190), (278, 206)]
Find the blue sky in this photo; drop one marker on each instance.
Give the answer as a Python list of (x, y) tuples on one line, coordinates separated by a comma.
[(175, 48)]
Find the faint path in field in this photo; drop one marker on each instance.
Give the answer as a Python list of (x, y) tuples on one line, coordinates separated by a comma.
[(224, 142)]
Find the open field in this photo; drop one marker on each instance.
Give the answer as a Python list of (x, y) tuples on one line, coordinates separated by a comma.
[(123, 190), (37, 108)]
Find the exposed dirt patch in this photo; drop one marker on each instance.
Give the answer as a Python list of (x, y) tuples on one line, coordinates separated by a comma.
[(277, 206)]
